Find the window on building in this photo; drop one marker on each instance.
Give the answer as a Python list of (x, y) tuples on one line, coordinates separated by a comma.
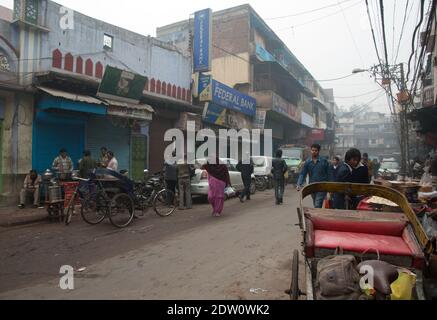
[(108, 41)]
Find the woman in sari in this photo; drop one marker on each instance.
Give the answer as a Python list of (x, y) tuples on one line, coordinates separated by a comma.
[(218, 180)]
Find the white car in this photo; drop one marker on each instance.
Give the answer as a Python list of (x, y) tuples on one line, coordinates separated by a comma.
[(199, 183)]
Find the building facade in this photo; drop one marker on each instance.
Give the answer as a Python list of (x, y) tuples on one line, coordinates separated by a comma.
[(53, 60), (371, 132), (248, 56)]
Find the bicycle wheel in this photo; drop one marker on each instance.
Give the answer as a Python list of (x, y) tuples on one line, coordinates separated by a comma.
[(121, 211), (70, 210), (94, 208), (164, 203)]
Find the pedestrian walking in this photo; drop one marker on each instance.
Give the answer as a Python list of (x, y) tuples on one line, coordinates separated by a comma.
[(184, 174), (317, 168), (279, 168), (246, 168), (335, 165), (218, 180)]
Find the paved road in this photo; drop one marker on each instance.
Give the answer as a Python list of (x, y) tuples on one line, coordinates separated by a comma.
[(190, 255)]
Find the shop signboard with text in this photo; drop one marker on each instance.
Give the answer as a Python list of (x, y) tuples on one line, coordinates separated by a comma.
[(286, 108), (221, 116), (121, 85), (202, 41), (229, 98)]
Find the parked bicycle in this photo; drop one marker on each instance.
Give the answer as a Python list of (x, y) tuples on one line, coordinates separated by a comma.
[(153, 193), (96, 204)]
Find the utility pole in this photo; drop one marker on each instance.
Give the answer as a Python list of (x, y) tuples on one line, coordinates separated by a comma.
[(403, 99)]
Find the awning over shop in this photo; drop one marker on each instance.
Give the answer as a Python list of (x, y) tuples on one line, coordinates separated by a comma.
[(57, 99), (130, 110)]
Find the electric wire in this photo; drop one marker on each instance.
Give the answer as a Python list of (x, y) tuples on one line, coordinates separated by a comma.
[(306, 12), (373, 31), (422, 5), (402, 30)]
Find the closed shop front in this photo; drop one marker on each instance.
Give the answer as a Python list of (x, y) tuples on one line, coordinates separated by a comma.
[(158, 128), (54, 131), (114, 134), (61, 122)]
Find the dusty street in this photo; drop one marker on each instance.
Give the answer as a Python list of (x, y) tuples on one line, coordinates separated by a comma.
[(189, 255)]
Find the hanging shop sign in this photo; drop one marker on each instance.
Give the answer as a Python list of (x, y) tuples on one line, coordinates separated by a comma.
[(229, 98), (286, 108), (205, 89), (318, 134), (121, 85), (307, 120), (202, 40), (221, 116), (260, 119), (131, 113)]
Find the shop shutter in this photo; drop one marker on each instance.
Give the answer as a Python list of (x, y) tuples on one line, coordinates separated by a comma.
[(51, 134), (113, 134)]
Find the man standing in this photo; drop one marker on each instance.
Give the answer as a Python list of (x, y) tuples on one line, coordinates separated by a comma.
[(32, 183), (279, 168), (63, 163), (334, 167), (170, 176), (376, 165), (345, 174), (184, 174), (369, 166), (246, 168), (103, 160), (112, 162), (86, 165), (317, 169)]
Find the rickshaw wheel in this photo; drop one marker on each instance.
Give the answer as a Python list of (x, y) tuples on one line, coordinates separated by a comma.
[(294, 287)]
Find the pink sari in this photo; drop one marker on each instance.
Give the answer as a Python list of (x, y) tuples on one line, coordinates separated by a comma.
[(216, 194)]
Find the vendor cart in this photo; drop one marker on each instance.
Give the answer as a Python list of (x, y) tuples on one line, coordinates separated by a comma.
[(396, 238)]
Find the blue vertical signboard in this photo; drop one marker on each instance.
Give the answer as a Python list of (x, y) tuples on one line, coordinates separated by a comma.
[(202, 40)]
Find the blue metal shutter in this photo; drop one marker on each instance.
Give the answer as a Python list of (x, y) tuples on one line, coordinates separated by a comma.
[(52, 132), (101, 132)]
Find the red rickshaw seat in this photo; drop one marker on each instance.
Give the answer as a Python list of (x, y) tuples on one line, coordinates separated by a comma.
[(361, 242)]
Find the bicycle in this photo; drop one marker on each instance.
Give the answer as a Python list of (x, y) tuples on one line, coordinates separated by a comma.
[(96, 205), (154, 194)]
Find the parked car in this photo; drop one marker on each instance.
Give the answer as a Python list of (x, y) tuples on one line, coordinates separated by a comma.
[(199, 183), (263, 171), (389, 169)]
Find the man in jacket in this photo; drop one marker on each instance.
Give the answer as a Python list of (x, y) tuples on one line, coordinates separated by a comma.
[(317, 168), (246, 168), (345, 174), (86, 164), (279, 168), (31, 186)]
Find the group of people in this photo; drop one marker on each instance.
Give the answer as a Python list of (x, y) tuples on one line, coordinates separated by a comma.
[(178, 175), (63, 165), (356, 168)]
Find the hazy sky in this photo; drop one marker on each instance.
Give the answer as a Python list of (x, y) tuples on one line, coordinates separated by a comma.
[(329, 42)]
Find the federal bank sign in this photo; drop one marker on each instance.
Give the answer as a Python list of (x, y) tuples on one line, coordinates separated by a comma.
[(202, 40), (227, 97)]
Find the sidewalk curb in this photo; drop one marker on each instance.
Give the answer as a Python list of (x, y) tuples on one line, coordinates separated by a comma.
[(22, 222)]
